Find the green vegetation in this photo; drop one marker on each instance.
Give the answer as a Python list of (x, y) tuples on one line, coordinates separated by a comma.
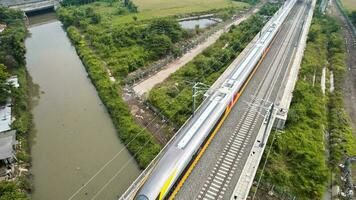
[(4, 87), (105, 45), (125, 48), (350, 5), (10, 191), (163, 8), (341, 142), (12, 62), (298, 164), (352, 16), (173, 96), (252, 2), (139, 142), (348, 8)]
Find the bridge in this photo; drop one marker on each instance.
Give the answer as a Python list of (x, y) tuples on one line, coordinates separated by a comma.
[(226, 164), (30, 5)]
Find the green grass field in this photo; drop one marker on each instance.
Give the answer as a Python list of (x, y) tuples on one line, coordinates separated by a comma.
[(161, 8), (349, 5)]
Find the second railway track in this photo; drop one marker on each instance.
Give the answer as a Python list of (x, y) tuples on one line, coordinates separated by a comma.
[(225, 167)]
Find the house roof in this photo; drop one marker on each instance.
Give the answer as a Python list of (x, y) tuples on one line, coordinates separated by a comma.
[(2, 27), (7, 140), (5, 117)]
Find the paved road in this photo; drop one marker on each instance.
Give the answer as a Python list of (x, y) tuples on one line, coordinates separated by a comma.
[(218, 171), (8, 3)]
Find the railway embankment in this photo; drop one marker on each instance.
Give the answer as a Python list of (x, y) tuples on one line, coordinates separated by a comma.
[(173, 96), (316, 122), (110, 51)]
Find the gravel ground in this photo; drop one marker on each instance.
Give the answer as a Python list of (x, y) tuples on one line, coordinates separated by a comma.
[(199, 175), (350, 79)]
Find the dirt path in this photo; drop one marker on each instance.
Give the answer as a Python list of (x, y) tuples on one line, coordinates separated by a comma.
[(350, 79), (146, 85)]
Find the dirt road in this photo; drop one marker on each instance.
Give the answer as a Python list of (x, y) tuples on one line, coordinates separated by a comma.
[(350, 79)]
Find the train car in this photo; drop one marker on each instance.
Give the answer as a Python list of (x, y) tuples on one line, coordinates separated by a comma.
[(172, 165)]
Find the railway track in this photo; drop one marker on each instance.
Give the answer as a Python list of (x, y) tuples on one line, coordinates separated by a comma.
[(225, 167)]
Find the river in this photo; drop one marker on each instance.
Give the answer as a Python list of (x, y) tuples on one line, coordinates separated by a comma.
[(73, 135)]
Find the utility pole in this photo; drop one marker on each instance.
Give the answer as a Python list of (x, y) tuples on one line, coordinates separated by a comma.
[(270, 113), (196, 89)]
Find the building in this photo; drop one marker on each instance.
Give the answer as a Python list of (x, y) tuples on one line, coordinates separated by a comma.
[(5, 110), (2, 27), (7, 144)]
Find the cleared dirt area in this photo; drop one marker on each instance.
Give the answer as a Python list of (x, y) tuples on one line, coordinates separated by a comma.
[(147, 118), (350, 79)]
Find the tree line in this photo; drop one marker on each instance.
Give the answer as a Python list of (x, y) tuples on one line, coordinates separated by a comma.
[(126, 48)]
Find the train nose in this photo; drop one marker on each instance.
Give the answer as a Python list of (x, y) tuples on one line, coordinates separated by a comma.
[(141, 197)]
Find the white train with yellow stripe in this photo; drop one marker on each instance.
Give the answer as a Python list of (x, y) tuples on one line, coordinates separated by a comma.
[(173, 164)]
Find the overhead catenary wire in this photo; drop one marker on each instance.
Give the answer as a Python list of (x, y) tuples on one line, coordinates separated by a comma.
[(125, 146), (123, 167), (111, 160), (264, 165), (115, 156)]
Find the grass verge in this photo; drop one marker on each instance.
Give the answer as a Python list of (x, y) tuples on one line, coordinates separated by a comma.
[(138, 141), (298, 162)]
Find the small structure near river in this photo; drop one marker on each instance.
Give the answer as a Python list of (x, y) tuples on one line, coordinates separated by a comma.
[(7, 136)]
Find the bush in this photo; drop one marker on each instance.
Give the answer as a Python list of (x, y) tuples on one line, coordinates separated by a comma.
[(297, 162), (173, 97), (139, 142)]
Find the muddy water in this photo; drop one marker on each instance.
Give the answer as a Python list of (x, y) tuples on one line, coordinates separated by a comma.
[(201, 23), (74, 135)]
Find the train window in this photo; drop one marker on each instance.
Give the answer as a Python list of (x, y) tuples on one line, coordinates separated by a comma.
[(220, 96), (229, 83), (141, 197)]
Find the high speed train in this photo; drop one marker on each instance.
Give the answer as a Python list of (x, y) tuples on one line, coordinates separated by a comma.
[(178, 156)]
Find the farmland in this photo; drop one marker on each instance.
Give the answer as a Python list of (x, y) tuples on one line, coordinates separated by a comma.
[(161, 8), (349, 5)]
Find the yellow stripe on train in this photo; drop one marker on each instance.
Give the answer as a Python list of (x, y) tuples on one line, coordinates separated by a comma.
[(166, 185)]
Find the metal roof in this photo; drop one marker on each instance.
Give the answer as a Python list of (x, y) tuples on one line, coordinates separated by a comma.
[(5, 117), (7, 140)]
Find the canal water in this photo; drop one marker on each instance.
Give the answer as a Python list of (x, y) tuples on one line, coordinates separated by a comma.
[(201, 23), (74, 136)]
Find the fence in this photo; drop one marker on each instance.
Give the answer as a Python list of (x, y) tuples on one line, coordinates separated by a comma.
[(342, 10), (186, 46)]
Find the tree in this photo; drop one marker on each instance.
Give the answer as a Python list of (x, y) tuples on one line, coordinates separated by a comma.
[(159, 45), (353, 17), (134, 18), (4, 87), (10, 191), (169, 27)]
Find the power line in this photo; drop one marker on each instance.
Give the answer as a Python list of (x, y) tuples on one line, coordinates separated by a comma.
[(264, 165), (124, 166), (112, 159), (115, 156)]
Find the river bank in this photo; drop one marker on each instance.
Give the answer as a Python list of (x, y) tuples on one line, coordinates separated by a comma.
[(14, 182), (74, 136)]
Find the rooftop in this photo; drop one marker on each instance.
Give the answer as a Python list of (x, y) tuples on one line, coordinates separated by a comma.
[(7, 140), (2, 27), (5, 111)]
